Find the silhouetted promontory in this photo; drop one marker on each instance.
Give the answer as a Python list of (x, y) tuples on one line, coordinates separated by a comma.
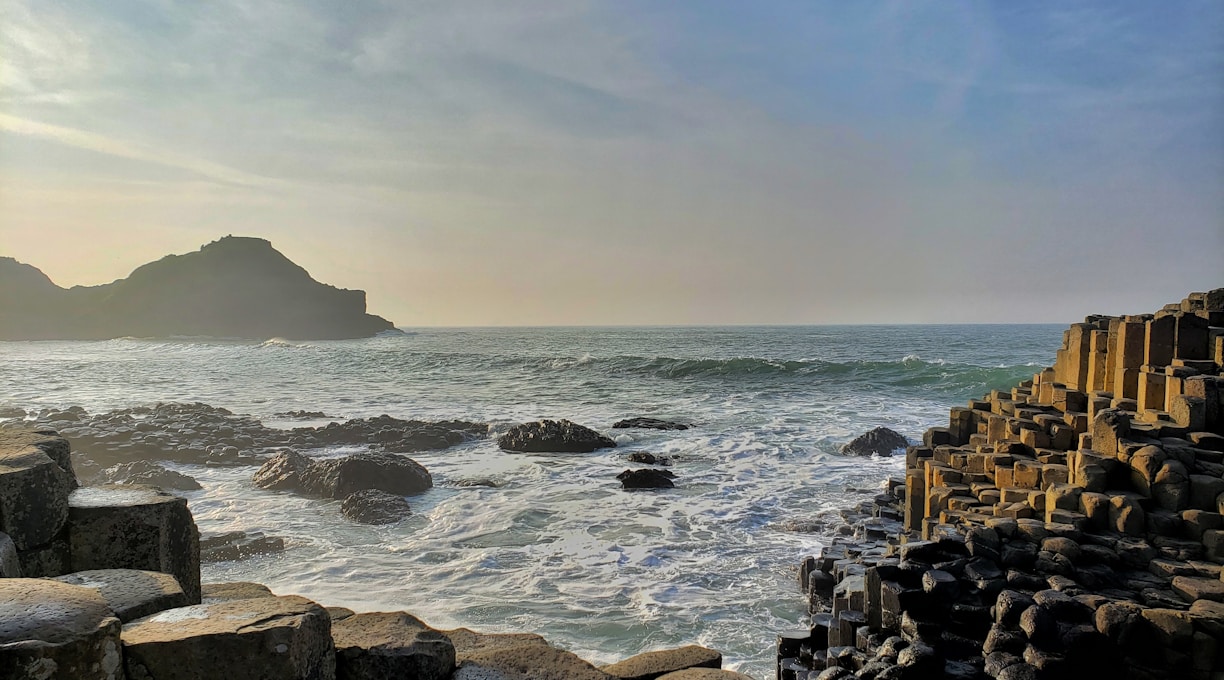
[(234, 287)]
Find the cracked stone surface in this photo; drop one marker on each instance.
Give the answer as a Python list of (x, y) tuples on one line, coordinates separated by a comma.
[(269, 638)]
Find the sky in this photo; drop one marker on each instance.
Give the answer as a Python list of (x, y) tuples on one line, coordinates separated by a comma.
[(632, 162)]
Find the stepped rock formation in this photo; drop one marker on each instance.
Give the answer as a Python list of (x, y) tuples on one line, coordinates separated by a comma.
[(234, 287), (1070, 527)]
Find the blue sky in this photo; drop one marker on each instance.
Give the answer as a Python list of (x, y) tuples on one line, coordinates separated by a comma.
[(632, 162)]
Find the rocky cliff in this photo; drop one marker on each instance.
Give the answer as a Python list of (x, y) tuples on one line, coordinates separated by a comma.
[(233, 287)]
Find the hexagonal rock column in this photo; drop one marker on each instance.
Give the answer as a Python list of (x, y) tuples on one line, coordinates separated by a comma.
[(131, 593), (34, 490), (517, 656), (265, 638), (56, 631), (390, 645), (650, 665), (122, 526)]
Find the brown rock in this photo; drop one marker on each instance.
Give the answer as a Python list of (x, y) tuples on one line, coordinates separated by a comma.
[(521, 656), (390, 645), (1194, 588), (236, 590), (650, 665), (267, 638), (282, 472)]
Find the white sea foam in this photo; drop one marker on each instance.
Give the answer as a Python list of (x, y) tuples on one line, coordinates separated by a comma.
[(559, 548)]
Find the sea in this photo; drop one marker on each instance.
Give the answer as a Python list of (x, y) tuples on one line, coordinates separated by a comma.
[(558, 548)]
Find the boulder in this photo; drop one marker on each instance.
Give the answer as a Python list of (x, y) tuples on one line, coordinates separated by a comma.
[(148, 473), (651, 665), (265, 638), (131, 593), (646, 479), (390, 645), (648, 424), (881, 442), (56, 631), (371, 506), (122, 526), (553, 436), (648, 458), (35, 480), (238, 545), (521, 656), (339, 477), (282, 472)]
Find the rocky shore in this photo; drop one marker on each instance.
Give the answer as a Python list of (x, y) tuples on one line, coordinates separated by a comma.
[(103, 582), (1072, 527)]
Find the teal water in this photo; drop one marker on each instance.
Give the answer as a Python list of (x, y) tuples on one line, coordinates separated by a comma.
[(558, 548)]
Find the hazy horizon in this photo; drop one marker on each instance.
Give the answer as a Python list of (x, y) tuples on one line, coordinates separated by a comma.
[(629, 163)]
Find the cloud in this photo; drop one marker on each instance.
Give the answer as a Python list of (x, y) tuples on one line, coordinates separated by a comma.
[(90, 141)]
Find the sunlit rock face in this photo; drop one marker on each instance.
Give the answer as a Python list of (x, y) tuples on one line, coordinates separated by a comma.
[(234, 287)]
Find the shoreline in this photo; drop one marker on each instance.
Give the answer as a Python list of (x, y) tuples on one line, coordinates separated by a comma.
[(1071, 527)]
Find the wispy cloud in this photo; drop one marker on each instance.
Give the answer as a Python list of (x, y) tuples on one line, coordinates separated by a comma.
[(90, 141)]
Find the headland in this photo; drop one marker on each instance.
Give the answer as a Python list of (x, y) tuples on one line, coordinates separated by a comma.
[(235, 287)]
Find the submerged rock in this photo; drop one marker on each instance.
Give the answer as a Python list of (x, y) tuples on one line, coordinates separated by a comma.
[(371, 506), (646, 479), (152, 474), (238, 545), (649, 424), (553, 436), (648, 458), (881, 441)]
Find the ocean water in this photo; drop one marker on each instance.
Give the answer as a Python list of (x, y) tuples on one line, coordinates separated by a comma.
[(558, 548)]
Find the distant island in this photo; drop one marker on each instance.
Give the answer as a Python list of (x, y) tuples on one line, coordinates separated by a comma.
[(233, 287)]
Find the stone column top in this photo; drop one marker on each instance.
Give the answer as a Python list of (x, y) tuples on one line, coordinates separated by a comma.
[(119, 495), (37, 610)]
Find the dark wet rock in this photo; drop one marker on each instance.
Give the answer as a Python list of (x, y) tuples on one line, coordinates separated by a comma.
[(646, 479), (371, 506), (282, 472), (881, 441), (393, 435), (238, 545), (301, 415), (648, 424), (145, 472), (490, 483), (645, 458), (553, 436), (339, 477), (205, 435)]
